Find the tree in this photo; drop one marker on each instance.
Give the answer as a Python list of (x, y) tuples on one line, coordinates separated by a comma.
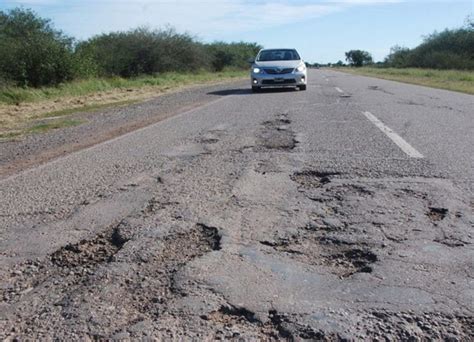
[(143, 51), (358, 58), (399, 57), (32, 52), (233, 55)]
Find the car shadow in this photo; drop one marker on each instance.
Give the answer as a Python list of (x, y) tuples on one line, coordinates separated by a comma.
[(247, 91)]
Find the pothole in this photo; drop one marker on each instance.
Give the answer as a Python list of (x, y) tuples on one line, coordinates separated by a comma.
[(172, 254), (84, 269), (340, 257), (208, 141), (313, 179), (230, 314), (353, 261), (380, 89), (90, 252), (276, 135), (210, 237), (69, 264), (451, 242), (242, 324), (437, 214)]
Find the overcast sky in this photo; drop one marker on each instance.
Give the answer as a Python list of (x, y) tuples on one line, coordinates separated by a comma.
[(322, 30)]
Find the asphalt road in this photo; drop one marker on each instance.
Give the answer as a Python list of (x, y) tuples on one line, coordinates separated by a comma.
[(341, 212)]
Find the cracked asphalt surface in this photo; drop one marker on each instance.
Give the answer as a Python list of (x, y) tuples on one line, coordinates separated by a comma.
[(281, 215)]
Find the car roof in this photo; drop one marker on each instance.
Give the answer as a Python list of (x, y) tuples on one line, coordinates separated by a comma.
[(278, 49)]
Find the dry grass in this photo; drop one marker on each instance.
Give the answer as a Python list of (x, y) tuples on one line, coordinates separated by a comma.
[(20, 109)]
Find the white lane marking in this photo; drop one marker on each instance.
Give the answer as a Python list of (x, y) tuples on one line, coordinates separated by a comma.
[(404, 146), (339, 90)]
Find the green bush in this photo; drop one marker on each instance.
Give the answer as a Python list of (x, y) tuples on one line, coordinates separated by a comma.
[(449, 49), (142, 51), (231, 55), (32, 53)]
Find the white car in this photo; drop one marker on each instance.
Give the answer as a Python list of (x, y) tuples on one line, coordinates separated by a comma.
[(278, 68)]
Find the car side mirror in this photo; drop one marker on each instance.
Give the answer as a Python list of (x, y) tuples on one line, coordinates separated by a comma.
[(251, 60)]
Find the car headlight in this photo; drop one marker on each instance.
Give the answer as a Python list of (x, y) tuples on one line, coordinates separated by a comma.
[(256, 70), (301, 68)]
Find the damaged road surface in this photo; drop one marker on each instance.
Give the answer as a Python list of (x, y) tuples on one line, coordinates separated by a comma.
[(282, 215)]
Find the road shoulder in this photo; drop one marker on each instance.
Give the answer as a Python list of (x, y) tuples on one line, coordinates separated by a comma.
[(96, 126)]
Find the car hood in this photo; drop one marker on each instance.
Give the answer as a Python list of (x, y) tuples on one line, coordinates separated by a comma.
[(279, 64)]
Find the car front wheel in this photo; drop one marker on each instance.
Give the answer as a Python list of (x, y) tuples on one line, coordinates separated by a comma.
[(302, 87), (255, 89)]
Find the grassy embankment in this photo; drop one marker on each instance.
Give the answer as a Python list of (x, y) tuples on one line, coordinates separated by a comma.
[(24, 110), (455, 80)]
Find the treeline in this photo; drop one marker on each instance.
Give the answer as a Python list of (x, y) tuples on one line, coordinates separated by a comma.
[(33, 53), (449, 49)]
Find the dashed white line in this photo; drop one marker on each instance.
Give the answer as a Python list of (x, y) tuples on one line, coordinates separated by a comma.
[(398, 140), (339, 90)]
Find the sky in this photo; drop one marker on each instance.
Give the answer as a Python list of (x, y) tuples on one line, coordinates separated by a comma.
[(321, 30)]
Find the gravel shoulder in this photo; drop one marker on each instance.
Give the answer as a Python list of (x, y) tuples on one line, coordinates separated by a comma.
[(94, 127)]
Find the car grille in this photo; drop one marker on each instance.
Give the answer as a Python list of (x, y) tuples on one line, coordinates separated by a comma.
[(276, 71), (288, 81)]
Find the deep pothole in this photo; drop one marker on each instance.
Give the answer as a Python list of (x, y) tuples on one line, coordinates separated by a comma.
[(91, 252)]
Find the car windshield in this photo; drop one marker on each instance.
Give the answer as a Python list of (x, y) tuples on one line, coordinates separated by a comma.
[(278, 55)]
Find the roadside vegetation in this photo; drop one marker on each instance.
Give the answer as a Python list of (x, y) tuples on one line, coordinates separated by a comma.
[(24, 107), (455, 80), (449, 49), (34, 54), (443, 60), (358, 58), (165, 81), (44, 71)]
